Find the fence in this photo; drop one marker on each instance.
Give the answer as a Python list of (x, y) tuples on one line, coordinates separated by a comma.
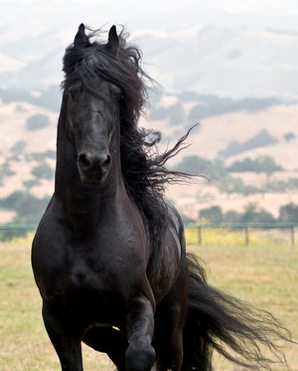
[(9, 231), (245, 228), (199, 231)]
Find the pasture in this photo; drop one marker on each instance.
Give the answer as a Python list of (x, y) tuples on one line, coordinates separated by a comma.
[(264, 275)]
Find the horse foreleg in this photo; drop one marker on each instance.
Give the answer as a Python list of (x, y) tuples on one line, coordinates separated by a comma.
[(110, 341), (64, 339), (140, 355), (170, 318), (169, 341)]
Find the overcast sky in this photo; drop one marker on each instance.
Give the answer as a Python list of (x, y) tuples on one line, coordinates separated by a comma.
[(25, 16)]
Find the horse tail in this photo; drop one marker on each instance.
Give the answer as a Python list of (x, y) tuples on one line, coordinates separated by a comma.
[(237, 330)]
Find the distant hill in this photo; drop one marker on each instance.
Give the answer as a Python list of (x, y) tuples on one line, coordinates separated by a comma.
[(209, 60), (215, 134), (238, 82), (269, 130), (27, 153)]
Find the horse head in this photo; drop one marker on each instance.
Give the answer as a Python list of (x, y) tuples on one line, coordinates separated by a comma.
[(92, 107)]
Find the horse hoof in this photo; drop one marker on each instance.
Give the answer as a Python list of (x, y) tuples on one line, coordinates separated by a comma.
[(140, 359)]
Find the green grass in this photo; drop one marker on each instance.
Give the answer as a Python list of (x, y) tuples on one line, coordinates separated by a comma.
[(265, 276)]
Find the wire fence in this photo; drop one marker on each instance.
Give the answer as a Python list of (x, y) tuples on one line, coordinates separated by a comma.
[(241, 233), (10, 231), (205, 234)]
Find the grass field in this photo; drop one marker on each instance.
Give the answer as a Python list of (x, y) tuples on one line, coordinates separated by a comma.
[(265, 276)]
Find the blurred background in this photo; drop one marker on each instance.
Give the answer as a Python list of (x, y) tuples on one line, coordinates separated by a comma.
[(230, 65)]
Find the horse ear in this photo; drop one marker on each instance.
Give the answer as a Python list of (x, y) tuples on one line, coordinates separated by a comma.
[(81, 38), (113, 41)]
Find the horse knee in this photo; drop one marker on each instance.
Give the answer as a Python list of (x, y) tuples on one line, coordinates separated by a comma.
[(140, 359)]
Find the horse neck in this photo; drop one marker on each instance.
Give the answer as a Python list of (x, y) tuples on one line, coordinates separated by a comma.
[(84, 204)]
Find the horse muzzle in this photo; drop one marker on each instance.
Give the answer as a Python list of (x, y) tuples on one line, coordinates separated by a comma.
[(93, 168)]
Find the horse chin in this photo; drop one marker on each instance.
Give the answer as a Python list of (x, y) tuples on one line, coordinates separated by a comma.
[(94, 181)]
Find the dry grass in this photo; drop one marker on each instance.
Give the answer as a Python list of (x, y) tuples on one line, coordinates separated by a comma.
[(24, 344), (265, 276)]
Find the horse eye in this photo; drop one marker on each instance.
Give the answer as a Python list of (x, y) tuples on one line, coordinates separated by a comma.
[(116, 92), (71, 95)]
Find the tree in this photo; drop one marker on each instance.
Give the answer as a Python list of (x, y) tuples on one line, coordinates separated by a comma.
[(267, 165), (198, 165), (5, 171), (292, 184), (262, 164), (253, 215), (261, 139), (18, 148), (230, 185), (213, 214), (38, 121), (231, 216), (289, 136), (43, 171), (242, 166), (28, 207), (289, 213), (277, 186)]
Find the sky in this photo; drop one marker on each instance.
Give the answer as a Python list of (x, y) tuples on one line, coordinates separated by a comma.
[(25, 16)]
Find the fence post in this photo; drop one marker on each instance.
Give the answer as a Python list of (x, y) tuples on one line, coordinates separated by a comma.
[(293, 235), (200, 235), (246, 236)]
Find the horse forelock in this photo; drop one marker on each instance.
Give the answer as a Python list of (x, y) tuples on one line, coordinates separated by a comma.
[(83, 62)]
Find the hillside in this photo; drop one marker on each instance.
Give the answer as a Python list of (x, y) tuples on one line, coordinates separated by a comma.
[(236, 80), (213, 135), (209, 59), (216, 133), (22, 150), (190, 199), (14, 116)]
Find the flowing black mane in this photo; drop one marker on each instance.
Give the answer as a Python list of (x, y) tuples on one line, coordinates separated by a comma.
[(143, 167)]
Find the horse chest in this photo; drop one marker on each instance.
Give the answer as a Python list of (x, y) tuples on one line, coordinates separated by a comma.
[(92, 270), (89, 287)]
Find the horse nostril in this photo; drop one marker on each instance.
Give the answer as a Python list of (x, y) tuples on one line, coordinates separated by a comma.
[(85, 162), (107, 162)]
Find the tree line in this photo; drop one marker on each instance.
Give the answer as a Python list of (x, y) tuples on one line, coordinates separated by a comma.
[(203, 106), (251, 214)]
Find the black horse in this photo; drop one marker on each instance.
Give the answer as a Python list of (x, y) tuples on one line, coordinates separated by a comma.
[(109, 254)]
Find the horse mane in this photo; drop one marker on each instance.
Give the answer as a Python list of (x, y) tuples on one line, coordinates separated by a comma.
[(143, 167)]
